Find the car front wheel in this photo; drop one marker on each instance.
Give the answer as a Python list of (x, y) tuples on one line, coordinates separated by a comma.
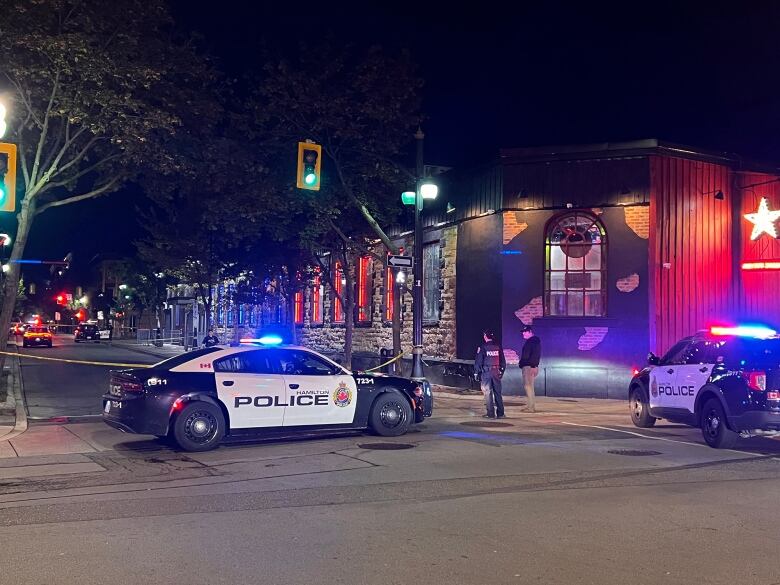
[(391, 415), (200, 426), (713, 426), (640, 409)]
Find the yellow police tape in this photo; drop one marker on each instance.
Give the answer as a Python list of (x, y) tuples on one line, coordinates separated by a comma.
[(85, 363), (387, 363)]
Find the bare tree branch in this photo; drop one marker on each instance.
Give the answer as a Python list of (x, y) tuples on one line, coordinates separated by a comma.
[(54, 184), (45, 129), (94, 193), (25, 99), (76, 159)]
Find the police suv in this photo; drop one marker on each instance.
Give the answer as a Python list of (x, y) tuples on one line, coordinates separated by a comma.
[(200, 397), (725, 381)]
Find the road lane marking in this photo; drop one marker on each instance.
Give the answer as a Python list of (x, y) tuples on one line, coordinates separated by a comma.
[(635, 434)]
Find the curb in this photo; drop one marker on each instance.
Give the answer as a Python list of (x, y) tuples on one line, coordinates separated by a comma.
[(16, 395)]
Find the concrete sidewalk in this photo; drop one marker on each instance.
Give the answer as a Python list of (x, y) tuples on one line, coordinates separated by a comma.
[(544, 404), (164, 352)]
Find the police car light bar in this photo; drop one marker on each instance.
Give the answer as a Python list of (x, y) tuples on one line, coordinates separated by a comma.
[(264, 340), (756, 331)]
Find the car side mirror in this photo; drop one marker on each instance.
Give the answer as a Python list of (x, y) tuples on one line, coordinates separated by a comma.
[(653, 359)]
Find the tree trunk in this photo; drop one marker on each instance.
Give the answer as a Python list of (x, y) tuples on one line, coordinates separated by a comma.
[(11, 286), (396, 366)]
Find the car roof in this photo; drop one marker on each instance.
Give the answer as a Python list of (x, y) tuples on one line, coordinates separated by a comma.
[(225, 351)]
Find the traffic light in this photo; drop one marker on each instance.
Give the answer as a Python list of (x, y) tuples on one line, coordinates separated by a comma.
[(60, 299), (7, 177), (309, 164)]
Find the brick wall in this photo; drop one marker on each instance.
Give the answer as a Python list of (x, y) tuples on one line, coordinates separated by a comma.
[(438, 339), (512, 225), (638, 219)]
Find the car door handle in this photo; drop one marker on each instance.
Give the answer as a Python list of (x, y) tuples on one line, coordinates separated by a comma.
[(670, 371), (294, 386), (228, 383), (702, 370)]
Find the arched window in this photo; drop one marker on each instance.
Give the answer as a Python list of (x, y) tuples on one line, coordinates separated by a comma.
[(575, 278)]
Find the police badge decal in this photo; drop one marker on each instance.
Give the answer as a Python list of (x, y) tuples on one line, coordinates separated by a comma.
[(654, 388), (342, 395)]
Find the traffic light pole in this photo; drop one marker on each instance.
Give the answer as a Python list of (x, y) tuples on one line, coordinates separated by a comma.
[(417, 291)]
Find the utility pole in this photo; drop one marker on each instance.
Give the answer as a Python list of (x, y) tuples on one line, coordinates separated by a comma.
[(417, 290)]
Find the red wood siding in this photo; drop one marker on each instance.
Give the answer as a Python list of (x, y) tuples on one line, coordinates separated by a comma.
[(761, 290), (691, 231)]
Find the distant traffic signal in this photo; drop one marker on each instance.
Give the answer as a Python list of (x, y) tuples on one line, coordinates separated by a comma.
[(7, 177), (60, 299), (309, 164)]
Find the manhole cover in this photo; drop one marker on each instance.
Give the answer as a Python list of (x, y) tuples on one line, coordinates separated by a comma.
[(385, 446), (486, 424), (633, 453)]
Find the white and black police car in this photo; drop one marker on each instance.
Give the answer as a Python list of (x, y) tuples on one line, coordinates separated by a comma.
[(259, 388), (725, 381)]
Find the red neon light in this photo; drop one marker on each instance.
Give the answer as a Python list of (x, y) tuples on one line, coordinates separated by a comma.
[(767, 265), (389, 284), (364, 312), (338, 311), (316, 309), (298, 308)]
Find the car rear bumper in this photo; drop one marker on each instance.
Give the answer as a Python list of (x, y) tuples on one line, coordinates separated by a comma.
[(33, 341), (765, 420), (136, 414)]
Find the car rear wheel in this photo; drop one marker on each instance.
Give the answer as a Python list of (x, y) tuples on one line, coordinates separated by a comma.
[(391, 415), (25, 344), (200, 426), (713, 426), (640, 409)]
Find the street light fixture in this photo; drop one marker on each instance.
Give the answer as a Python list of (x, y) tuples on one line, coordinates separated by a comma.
[(3, 124), (429, 190)]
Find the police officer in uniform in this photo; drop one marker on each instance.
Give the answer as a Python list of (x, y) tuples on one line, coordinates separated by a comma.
[(489, 366)]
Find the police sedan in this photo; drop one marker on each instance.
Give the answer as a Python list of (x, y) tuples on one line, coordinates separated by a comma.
[(725, 381), (200, 397)]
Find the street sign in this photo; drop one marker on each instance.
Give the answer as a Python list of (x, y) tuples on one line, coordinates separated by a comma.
[(400, 261), (57, 316)]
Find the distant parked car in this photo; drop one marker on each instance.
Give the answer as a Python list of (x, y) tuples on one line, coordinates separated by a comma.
[(17, 328), (85, 332)]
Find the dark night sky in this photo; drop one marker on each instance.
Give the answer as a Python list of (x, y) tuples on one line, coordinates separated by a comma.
[(704, 74)]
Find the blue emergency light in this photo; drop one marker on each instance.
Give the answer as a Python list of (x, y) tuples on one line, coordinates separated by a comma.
[(264, 340)]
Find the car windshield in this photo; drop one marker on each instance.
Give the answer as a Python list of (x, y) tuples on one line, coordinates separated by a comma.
[(38, 330), (750, 353), (183, 358)]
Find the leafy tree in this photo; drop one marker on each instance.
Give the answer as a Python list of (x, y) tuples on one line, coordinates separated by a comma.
[(96, 92), (362, 106)]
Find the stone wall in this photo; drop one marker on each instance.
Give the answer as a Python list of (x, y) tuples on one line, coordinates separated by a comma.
[(438, 338)]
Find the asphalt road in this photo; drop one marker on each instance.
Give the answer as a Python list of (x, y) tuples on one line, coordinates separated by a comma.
[(61, 389), (569, 497)]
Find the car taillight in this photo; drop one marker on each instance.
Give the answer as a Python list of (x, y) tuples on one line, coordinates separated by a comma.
[(756, 380), (773, 395), (131, 386)]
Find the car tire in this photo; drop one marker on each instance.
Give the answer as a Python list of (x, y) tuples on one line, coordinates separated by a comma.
[(49, 344), (714, 428), (25, 344), (391, 415), (200, 426), (639, 407)]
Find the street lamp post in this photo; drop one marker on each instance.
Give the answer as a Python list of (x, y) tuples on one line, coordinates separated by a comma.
[(417, 291)]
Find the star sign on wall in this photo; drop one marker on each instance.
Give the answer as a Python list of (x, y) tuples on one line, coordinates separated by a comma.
[(763, 220)]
